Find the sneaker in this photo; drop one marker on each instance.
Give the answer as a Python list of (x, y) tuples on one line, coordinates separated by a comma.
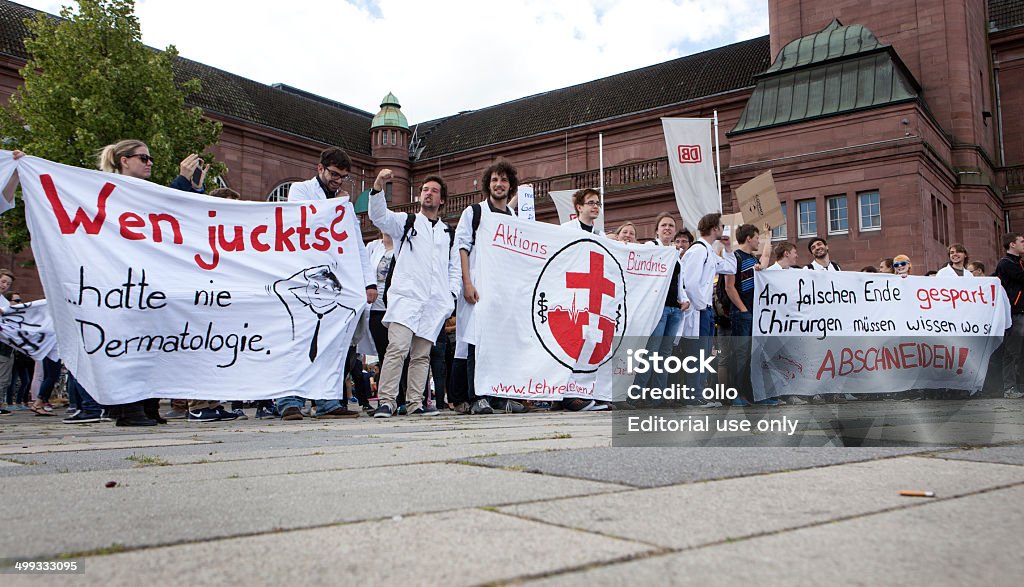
[(767, 402), (577, 404), (81, 417), (402, 410), (203, 415), (795, 400), (175, 415), (849, 397), (382, 411), (740, 402), (514, 407), (702, 403), (338, 413), (481, 406), (16, 408), (599, 407), (817, 399), (262, 412), (226, 415), (4, 412), (292, 413), (1012, 394), (427, 411)]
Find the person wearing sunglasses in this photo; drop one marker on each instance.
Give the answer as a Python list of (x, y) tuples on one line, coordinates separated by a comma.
[(131, 158), (901, 265)]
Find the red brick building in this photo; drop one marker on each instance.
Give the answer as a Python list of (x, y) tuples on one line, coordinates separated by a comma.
[(890, 128)]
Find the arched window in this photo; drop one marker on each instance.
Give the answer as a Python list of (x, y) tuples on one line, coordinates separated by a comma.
[(280, 193)]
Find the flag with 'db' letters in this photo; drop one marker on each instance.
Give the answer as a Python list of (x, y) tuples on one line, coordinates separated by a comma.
[(156, 292), (690, 159)]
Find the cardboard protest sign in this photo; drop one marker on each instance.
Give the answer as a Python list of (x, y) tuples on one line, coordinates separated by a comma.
[(160, 293), (759, 202), (843, 332), (555, 304)]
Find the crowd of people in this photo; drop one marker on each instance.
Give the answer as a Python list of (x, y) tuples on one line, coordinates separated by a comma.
[(421, 290)]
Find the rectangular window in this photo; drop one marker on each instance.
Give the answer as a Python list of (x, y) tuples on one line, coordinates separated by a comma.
[(807, 218), (780, 233), (838, 222), (870, 211)]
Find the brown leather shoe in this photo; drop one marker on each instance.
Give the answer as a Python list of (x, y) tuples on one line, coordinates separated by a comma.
[(292, 413), (338, 413)]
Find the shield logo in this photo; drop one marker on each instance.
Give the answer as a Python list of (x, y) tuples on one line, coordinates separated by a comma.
[(579, 305)]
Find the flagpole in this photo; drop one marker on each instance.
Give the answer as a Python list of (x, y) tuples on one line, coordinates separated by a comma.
[(600, 164), (718, 162)]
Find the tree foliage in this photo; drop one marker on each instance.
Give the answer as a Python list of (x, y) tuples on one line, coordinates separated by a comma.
[(89, 81)]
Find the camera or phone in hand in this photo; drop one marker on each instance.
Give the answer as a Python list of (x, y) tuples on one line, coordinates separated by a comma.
[(197, 175)]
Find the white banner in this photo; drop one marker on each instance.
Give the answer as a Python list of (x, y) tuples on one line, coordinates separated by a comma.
[(527, 207), (29, 328), (843, 332), (566, 210), (160, 293), (691, 161), (554, 305)]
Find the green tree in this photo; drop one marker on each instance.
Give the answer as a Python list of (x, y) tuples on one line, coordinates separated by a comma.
[(89, 81)]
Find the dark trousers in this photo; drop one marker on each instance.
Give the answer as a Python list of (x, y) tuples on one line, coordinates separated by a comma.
[(438, 369), (21, 379), (51, 374)]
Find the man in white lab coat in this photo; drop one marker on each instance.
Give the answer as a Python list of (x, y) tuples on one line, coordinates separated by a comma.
[(332, 170), (425, 279)]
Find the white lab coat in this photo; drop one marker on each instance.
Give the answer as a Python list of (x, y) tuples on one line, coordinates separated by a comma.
[(465, 328), (575, 223), (426, 273), (947, 271)]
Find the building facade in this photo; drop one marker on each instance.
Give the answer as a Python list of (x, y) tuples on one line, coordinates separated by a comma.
[(890, 129)]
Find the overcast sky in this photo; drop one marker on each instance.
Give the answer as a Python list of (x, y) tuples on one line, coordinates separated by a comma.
[(439, 57)]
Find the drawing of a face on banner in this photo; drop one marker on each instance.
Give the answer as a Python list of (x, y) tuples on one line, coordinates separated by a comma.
[(316, 289), (579, 305)]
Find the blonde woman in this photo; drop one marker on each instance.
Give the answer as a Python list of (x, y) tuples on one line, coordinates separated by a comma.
[(626, 233), (901, 265)]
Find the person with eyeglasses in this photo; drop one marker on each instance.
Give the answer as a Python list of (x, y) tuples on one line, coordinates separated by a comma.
[(331, 173), (587, 203)]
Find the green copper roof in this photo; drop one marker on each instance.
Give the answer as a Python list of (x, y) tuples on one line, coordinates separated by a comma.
[(390, 114), (836, 70)]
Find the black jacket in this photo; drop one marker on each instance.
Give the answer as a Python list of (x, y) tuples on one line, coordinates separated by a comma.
[(1010, 271)]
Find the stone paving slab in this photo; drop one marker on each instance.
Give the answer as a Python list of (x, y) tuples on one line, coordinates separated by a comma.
[(80, 446), (1011, 455), (657, 466), (697, 514), (466, 547), (972, 540), (143, 514), (261, 463)]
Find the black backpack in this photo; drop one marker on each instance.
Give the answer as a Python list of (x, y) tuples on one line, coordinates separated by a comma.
[(407, 233)]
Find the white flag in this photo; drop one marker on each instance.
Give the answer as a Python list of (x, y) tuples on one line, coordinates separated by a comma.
[(6, 170), (690, 154)]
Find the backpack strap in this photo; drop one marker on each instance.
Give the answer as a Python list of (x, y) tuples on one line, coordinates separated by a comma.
[(477, 210)]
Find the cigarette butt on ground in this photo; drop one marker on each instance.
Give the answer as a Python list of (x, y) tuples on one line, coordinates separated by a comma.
[(906, 493)]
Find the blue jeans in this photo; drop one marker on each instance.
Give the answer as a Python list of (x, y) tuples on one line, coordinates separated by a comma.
[(661, 341), (706, 333), (83, 401), (742, 327), (323, 406)]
